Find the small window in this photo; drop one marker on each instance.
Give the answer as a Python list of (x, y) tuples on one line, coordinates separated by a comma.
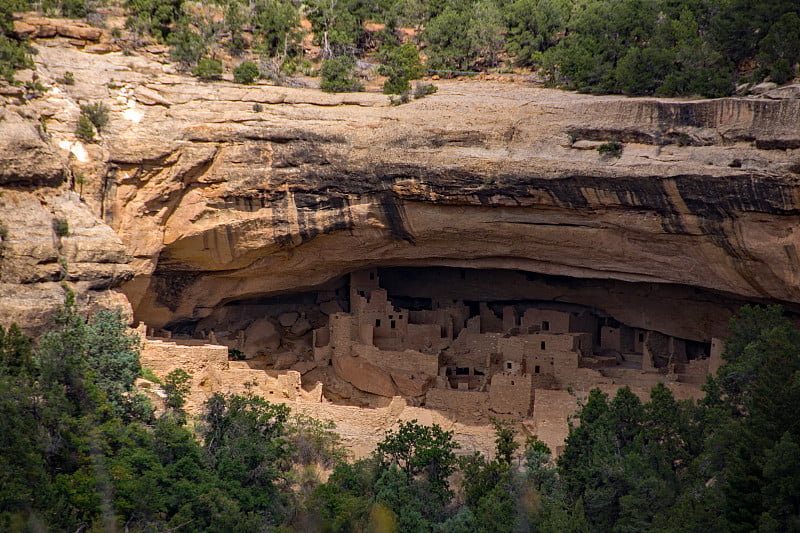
[(545, 325), (508, 365), (400, 317), (542, 345), (536, 369), (392, 324), (391, 316), (377, 322), (641, 337), (512, 381), (361, 293)]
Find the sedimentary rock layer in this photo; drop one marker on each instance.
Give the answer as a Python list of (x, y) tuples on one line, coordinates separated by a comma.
[(218, 200)]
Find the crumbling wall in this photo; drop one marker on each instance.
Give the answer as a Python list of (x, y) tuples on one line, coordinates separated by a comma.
[(661, 350), (425, 338), (469, 405), (546, 320), (272, 385), (490, 322), (163, 356), (715, 360), (211, 372), (511, 394), (475, 349), (563, 365), (551, 409), (408, 360)]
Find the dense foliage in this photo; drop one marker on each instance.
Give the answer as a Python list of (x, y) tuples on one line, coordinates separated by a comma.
[(80, 449), (13, 52), (609, 46), (637, 47)]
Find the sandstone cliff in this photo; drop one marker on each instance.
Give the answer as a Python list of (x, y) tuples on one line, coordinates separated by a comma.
[(213, 199)]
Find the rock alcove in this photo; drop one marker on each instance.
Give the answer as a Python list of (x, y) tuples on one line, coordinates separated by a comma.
[(415, 331)]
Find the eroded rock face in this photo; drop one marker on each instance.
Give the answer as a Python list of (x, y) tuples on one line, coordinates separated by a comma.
[(703, 195), (217, 202), (52, 242)]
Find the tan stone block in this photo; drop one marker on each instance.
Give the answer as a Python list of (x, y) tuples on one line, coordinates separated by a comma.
[(330, 307), (364, 375), (301, 327), (412, 384), (288, 319), (262, 336), (304, 366), (285, 361)]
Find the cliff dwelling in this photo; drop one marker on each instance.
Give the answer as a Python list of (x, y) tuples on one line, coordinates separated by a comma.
[(469, 343)]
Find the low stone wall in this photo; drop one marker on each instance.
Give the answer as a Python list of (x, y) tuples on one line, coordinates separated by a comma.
[(212, 373), (408, 360), (467, 405)]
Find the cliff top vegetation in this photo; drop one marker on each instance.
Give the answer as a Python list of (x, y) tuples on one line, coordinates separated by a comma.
[(636, 47)]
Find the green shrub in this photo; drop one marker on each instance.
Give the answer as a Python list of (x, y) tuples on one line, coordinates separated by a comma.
[(208, 69), (176, 386), (188, 46), (97, 113), (400, 64), (338, 77), (67, 79), (611, 148), (13, 56), (781, 71), (85, 130), (447, 40), (148, 374), (257, 108), (34, 89), (402, 98), (66, 8), (421, 90), (236, 355), (533, 27), (246, 73), (61, 227)]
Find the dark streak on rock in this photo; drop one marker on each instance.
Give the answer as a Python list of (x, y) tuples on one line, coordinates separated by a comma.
[(395, 217), (169, 286)]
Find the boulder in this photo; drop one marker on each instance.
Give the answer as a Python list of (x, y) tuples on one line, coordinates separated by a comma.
[(287, 319), (146, 96), (761, 88), (101, 48), (261, 336), (363, 375), (301, 327), (412, 384), (82, 32), (331, 307), (285, 361), (304, 367), (786, 92)]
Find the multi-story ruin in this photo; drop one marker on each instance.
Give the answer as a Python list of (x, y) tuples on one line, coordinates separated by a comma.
[(461, 359), (465, 360)]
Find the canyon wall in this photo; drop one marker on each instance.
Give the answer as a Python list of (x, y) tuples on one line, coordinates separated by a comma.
[(217, 192)]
